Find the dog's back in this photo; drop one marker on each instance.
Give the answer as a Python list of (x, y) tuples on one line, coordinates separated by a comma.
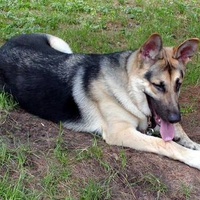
[(55, 85), (27, 70), (46, 81)]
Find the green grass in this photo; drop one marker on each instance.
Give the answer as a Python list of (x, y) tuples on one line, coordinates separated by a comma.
[(17, 175), (186, 190), (14, 176), (98, 26), (88, 26), (153, 184), (7, 102), (60, 150), (93, 152), (94, 190), (122, 156)]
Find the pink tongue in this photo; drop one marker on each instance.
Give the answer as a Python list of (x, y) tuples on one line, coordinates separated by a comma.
[(166, 130)]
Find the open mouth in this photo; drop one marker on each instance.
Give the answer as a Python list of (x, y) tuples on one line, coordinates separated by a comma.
[(167, 130)]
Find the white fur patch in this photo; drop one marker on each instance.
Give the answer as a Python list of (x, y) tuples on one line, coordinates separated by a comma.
[(59, 44)]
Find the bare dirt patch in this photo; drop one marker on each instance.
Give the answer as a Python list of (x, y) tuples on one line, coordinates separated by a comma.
[(145, 175)]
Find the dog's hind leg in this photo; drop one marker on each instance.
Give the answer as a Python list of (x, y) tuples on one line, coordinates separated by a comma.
[(130, 137), (58, 44), (182, 138)]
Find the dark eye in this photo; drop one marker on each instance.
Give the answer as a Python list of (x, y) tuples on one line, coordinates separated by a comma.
[(160, 87), (178, 85)]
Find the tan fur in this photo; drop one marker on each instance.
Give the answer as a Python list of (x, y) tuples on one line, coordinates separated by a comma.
[(121, 123)]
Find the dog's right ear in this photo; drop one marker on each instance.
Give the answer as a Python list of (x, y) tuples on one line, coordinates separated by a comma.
[(186, 50), (150, 50)]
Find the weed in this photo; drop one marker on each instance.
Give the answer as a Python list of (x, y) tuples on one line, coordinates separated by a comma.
[(186, 190), (69, 196), (94, 152), (123, 159), (155, 184), (12, 182), (93, 190), (7, 103), (55, 175), (152, 183), (5, 156), (60, 150), (187, 108)]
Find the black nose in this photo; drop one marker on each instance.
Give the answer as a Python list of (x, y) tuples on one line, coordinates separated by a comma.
[(174, 117)]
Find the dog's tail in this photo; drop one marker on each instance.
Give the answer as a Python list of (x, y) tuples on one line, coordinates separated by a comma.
[(58, 44)]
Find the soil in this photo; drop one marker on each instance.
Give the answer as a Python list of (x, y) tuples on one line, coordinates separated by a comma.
[(130, 182)]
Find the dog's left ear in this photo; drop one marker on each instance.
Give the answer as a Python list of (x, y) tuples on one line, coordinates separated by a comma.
[(186, 50)]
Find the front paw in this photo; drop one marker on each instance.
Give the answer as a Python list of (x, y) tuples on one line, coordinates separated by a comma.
[(192, 159), (187, 143)]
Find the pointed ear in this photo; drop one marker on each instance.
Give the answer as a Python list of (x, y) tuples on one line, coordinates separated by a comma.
[(186, 50), (150, 50)]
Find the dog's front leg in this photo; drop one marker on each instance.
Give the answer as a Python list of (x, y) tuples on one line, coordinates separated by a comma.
[(182, 138), (130, 137)]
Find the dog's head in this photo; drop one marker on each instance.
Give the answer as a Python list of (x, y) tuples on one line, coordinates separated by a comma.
[(162, 70)]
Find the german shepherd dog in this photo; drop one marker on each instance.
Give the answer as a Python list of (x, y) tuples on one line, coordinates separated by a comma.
[(117, 95)]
